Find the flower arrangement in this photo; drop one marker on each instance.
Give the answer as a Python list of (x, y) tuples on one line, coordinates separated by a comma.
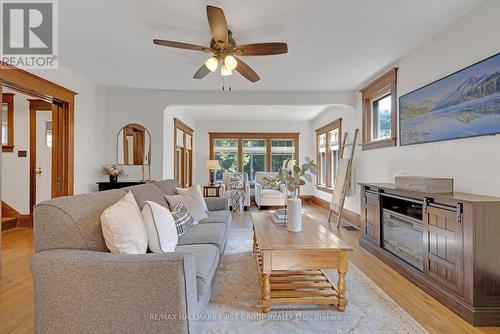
[(113, 171), (295, 177)]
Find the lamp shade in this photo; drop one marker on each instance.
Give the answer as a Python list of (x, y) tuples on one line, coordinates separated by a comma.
[(213, 164)]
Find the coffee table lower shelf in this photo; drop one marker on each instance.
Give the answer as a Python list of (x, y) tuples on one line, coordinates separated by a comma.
[(309, 286)]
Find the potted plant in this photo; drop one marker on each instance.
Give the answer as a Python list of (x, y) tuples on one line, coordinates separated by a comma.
[(293, 177), (113, 171)]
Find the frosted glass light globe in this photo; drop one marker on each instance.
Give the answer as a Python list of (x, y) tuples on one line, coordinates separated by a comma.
[(212, 63), (230, 62)]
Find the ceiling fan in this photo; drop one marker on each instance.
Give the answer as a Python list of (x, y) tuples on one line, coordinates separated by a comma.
[(225, 50)]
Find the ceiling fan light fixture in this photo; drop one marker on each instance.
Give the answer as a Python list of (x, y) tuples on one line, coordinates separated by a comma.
[(224, 71), (212, 63), (230, 62)]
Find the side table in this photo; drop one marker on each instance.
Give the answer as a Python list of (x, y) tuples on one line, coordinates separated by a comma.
[(211, 190)]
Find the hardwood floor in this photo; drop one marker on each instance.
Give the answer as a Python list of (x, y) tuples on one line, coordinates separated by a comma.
[(16, 288)]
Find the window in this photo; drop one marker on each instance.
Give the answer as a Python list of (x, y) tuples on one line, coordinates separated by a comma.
[(7, 122), (183, 153), (254, 156), (252, 152), (328, 154), (281, 150), (226, 151), (379, 112)]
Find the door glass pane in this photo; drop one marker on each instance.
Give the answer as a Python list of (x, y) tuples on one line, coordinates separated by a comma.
[(226, 151), (187, 168), (178, 165), (180, 137), (333, 146), (281, 150), (48, 133), (254, 156), (322, 159), (5, 124), (381, 118)]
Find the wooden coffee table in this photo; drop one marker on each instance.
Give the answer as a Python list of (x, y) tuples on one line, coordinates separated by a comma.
[(291, 265)]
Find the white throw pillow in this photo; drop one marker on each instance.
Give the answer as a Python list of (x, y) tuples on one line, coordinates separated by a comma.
[(123, 227), (160, 226), (204, 203), (192, 200)]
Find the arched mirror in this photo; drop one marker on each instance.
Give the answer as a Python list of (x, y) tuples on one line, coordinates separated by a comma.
[(134, 145)]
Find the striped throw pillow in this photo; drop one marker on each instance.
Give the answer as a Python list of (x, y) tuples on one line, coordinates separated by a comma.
[(182, 218)]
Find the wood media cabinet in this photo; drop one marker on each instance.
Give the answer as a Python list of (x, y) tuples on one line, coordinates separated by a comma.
[(448, 244)]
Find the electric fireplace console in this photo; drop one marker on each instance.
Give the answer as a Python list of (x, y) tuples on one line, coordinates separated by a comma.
[(445, 243)]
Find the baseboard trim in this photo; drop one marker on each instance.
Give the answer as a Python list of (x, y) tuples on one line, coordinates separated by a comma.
[(351, 217)]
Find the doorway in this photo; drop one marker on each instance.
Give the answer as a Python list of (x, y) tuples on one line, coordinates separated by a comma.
[(61, 101)]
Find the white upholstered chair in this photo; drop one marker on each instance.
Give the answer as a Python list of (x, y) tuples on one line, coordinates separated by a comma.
[(265, 196), (226, 192)]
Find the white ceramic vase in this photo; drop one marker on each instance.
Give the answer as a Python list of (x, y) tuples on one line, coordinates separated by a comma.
[(294, 214)]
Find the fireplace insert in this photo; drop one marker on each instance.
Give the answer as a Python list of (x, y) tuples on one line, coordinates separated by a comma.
[(402, 229)]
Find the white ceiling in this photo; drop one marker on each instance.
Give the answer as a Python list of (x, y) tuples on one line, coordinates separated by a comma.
[(333, 44), (250, 112)]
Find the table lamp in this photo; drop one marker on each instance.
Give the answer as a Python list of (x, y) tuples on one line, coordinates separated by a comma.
[(212, 166)]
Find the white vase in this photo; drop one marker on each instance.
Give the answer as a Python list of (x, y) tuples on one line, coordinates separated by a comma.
[(294, 214)]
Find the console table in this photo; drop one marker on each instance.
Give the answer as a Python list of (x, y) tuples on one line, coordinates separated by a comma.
[(445, 243), (106, 185)]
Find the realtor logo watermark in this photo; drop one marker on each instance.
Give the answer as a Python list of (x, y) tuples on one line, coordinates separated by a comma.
[(29, 33)]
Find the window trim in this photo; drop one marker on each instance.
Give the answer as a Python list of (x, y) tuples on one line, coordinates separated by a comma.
[(385, 84), (240, 136), (337, 124), (8, 98), (184, 180)]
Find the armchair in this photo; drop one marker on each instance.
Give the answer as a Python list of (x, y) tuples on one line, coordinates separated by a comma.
[(268, 197), (226, 192)]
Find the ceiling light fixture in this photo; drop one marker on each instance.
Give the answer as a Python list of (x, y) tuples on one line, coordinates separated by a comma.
[(212, 63), (230, 62), (224, 71)]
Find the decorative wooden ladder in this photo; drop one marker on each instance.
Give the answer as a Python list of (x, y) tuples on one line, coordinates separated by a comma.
[(343, 179)]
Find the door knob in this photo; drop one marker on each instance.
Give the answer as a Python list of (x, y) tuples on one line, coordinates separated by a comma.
[(38, 171)]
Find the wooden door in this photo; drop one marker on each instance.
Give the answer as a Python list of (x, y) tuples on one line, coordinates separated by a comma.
[(370, 210), (443, 245)]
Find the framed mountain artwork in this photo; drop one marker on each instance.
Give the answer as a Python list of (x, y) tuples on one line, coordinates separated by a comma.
[(463, 104)]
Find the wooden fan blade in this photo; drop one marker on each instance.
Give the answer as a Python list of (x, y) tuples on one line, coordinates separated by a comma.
[(246, 71), (218, 25), (181, 45), (261, 49), (201, 73)]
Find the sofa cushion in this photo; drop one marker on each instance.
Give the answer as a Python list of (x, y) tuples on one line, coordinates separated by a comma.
[(168, 187), (147, 192), (206, 258), (216, 217), (214, 234), (271, 193)]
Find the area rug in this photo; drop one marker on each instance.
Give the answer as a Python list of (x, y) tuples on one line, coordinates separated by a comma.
[(235, 303)]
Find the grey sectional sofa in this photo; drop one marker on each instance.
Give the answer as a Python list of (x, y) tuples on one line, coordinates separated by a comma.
[(80, 287)]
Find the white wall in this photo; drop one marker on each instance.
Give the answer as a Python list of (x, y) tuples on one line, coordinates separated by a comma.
[(90, 140), (154, 109), (474, 163), (15, 170), (201, 140)]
